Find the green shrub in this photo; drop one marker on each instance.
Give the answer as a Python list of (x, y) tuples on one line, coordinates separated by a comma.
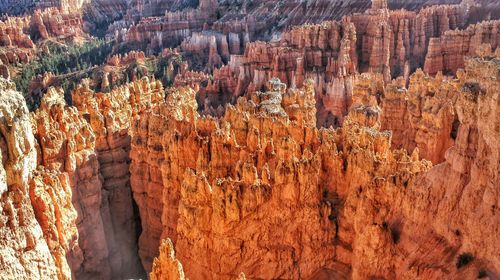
[(62, 60)]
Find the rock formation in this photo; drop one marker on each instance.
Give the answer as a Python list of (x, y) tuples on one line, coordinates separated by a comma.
[(331, 53), (120, 60), (67, 149), (65, 6), (437, 199), (421, 115), (110, 116), (99, 14), (447, 53), (52, 175), (24, 251), (69, 179), (19, 34), (56, 23), (321, 152), (324, 53), (166, 266), (156, 33), (264, 192), (239, 169)]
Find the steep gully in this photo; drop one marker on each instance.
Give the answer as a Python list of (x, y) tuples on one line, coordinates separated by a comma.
[(214, 179)]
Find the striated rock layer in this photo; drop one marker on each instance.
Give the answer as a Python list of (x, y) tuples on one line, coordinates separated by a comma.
[(447, 53), (392, 43), (110, 116), (264, 192), (23, 247), (66, 193)]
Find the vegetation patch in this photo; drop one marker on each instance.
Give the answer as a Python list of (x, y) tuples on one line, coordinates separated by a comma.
[(62, 60), (464, 259)]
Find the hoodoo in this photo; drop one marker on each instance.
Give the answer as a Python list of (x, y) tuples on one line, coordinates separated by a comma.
[(262, 139)]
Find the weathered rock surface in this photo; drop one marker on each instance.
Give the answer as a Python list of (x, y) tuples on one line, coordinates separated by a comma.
[(431, 212), (110, 116), (392, 43), (166, 266), (19, 34), (65, 6), (263, 191), (420, 115), (226, 185), (23, 250), (19, 7), (156, 33), (238, 167), (447, 53), (67, 155), (73, 212), (324, 53)]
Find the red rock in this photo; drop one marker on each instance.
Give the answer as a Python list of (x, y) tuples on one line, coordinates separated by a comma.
[(264, 192), (447, 53), (166, 266), (110, 116)]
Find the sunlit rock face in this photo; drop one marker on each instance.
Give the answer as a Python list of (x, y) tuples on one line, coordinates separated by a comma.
[(447, 53), (110, 115), (320, 152), (67, 152), (263, 179), (420, 116), (71, 189), (256, 182), (381, 41), (24, 251)]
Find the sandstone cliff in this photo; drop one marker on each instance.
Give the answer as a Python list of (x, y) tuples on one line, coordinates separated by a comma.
[(24, 251), (392, 43), (430, 213), (285, 163), (228, 184), (263, 191), (166, 266), (73, 209), (109, 115), (156, 33), (18, 35), (324, 53), (447, 53), (69, 160), (420, 115)]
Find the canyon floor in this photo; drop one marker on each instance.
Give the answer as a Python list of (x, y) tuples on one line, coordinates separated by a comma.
[(249, 139)]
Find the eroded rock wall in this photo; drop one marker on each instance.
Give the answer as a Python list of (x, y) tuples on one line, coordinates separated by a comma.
[(264, 192), (68, 162), (166, 266), (18, 35), (324, 53), (420, 115), (155, 33), (234, 176), (24, 251), (447, 53), (110, 116), (66, 185)]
